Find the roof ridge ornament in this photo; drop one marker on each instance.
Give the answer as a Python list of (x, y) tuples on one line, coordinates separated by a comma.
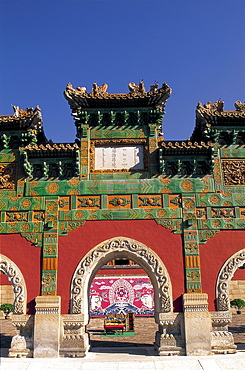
[(240, 107), (79, 98), (212, 107)]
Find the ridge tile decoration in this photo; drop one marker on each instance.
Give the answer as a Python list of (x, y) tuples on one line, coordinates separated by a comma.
[(119, 167)]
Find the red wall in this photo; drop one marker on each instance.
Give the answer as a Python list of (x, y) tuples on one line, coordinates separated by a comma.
[(77, 243), (4, 279), (27, 258), (214, 254)]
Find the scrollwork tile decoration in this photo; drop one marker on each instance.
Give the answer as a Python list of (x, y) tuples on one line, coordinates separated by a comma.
[(143, 254), (7, 176), (226, 273), (17, 280), (234, 172)]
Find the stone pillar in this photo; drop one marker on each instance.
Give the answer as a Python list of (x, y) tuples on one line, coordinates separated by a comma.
[(47, 327), (197, 322)]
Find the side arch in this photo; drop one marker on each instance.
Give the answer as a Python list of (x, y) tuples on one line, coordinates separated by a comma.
[(120, 247), (14, 274), (225, 275)]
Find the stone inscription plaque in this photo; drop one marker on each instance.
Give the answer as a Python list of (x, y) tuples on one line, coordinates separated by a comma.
[(119, 157)]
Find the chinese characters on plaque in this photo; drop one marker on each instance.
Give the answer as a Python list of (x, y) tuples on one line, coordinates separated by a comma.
[(119, 157)]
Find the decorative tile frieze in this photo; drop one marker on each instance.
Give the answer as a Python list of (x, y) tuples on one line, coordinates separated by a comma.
[(150, 201), (119, 202), (16, 216), (223, 212), (88, 202)]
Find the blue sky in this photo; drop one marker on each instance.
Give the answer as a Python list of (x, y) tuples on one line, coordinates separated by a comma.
[(197, 47)]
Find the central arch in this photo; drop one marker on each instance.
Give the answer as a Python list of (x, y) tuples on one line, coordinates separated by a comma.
[(120, 247)]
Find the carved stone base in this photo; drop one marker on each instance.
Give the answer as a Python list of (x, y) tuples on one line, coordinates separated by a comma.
[(169, 338), (74, 347), (18, 347), (222, 342), (25, 326)]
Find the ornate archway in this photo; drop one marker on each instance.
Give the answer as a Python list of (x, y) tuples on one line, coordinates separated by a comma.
[(14, 274), (111, 249), (225, 275)]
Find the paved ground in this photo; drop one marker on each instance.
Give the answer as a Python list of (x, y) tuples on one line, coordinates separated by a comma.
[(136, 353)]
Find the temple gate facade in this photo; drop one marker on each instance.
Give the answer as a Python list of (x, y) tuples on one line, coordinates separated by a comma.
[(175, 208)]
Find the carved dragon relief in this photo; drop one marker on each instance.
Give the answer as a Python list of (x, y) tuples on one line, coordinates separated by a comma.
[(14, 274), (141, 252), (225, 275)]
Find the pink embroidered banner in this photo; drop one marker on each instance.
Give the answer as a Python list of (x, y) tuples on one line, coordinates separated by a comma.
[(116, 294)]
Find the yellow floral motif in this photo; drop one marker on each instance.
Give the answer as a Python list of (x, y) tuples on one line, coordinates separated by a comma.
[(52, 188), (161, 213), (186, 185), (79, 214), (214, 199), (26, 203), (52, 206), (188, 203), (25, 227), (216, 223)]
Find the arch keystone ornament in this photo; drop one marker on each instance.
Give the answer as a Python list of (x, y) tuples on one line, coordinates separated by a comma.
[(225, 275), (14, 274)]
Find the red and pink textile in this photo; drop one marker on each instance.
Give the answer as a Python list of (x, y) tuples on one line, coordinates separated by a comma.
[(121, 295)]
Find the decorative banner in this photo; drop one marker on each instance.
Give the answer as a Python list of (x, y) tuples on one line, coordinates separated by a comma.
[(122, 295)]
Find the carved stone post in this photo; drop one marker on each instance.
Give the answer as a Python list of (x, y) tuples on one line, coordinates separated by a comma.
[(222, 340), (74, 339), (169, 337), (47, 327), (197, 323), (22, 343)]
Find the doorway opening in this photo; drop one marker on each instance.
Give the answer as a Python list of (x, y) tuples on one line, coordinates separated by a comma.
[(121, 292)]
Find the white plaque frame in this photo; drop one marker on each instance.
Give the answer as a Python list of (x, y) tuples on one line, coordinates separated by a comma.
[(118, 155)]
